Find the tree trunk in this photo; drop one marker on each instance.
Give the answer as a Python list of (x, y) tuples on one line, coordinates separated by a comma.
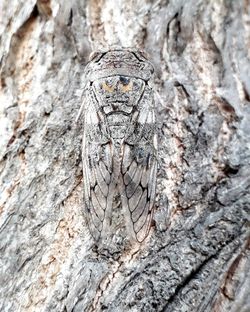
[(196, 257)]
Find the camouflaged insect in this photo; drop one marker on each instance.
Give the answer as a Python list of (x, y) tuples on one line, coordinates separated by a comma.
[(120, 141)]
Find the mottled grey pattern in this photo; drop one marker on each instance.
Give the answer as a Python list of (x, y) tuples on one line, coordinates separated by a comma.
[(120, 142), (197, 256)]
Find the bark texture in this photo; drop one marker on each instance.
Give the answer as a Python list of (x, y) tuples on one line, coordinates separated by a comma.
[(196, 257)]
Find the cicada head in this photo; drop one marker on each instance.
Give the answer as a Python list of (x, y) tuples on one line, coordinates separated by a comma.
[(119, 62)]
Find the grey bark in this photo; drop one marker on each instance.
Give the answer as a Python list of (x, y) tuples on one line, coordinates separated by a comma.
[(196, 257)]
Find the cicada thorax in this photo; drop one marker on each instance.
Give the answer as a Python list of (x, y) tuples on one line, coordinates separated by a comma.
[(117, 98)]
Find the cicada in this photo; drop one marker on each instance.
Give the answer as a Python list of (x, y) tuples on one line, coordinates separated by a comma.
[(120, 141)]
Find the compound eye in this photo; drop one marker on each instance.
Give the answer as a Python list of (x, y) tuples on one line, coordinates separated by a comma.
[(124, 81)]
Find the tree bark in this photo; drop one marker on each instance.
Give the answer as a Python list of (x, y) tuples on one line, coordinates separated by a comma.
[(196, 257)]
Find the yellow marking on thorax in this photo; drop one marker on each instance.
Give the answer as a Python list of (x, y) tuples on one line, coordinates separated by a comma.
[(107, 88), (128, 87)]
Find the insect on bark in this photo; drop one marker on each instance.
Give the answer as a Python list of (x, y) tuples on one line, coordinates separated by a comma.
[(120, 141)]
